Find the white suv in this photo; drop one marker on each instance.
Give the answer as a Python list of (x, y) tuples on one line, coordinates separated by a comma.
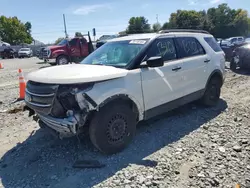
[(127, 80)]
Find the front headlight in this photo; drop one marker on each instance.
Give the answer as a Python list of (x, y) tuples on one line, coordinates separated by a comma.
[(70, 95)]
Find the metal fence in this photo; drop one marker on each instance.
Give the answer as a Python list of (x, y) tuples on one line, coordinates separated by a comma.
[(34, 48)]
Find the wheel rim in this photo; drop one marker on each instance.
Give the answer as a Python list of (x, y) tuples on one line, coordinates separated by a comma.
[(117, 128), (63, 61)]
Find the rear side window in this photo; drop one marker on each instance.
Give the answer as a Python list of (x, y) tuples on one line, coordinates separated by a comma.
[(213, 44), (188, 47)]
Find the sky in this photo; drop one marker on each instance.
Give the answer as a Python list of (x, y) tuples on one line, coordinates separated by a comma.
[(107, 16)]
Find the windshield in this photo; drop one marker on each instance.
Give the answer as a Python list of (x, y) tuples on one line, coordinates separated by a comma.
[(63, 42), (24, 49), (117, 54)]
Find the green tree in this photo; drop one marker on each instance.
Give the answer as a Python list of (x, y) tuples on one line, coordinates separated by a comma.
[(28, 27), (138, 25), (13, 31), (78, 34), (156, 27), (58, 40), (221, 21)]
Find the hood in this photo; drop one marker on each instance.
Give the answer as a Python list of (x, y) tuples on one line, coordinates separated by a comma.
[(76, 73), (54, 47)]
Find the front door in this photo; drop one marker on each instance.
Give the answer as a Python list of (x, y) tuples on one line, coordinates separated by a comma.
[(161, 85), (74, 48)]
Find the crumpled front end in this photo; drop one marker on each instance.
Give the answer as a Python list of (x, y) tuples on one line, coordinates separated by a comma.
[(62, 108)]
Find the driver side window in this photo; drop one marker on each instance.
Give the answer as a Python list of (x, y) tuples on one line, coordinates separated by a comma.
[(164, 47), (73, 42)]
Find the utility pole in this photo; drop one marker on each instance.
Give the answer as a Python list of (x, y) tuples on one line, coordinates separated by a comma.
[(157, 18), (65, 29)]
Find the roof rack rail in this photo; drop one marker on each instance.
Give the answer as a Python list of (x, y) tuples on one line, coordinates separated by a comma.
[(183, 30)]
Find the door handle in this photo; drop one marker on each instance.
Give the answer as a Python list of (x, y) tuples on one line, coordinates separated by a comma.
[(176, 68), (207, 61)]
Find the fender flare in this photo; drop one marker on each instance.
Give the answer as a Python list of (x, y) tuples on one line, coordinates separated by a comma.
[(216, 72), (124, 97)]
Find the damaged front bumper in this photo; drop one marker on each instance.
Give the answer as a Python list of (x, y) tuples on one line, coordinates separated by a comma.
[(65, 126), (63, 109)]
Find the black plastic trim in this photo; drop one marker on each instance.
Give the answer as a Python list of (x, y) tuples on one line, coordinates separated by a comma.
[(213, 73), (173, 104), (90, 100)]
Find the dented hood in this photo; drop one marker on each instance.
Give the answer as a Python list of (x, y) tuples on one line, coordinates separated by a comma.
[(75, 73)]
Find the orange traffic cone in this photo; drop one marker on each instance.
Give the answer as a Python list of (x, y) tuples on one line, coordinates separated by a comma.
[(22, 85), (1, 66)]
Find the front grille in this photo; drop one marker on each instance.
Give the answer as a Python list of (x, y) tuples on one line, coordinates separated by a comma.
[(40, 97), (45, 53)]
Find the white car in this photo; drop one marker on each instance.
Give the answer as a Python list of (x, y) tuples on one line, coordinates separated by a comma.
[(25, 52), (127, 80), (232, 41)]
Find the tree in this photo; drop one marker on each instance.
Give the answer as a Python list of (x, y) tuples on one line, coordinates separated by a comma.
[(221, 21), (156, 27), (78, 34), (28, 27), (13, 31), (138, 25), (59, 40)]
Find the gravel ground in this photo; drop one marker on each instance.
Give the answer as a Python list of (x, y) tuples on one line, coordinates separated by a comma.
[(189, 147)]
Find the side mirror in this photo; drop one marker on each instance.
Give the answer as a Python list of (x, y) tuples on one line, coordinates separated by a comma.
[(156, 61)]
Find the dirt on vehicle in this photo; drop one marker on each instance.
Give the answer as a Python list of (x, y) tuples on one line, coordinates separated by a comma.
[(192, 146)]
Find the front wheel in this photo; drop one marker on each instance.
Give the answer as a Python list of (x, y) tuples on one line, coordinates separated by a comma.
[(62, 60), (113, 128), (212, 93)]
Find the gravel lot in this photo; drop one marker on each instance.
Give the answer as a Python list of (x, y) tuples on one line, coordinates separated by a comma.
[(190, 147)]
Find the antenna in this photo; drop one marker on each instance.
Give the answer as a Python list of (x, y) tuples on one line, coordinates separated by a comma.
[(65, 29), (157, 18)]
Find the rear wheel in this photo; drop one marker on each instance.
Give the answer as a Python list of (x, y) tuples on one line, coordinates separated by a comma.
[(62, 60), (234, 62), (212, 93), (112, 128)]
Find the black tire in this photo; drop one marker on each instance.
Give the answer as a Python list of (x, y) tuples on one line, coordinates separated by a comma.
[(102, 131), (212, 93), (62, 60), (233, 65)]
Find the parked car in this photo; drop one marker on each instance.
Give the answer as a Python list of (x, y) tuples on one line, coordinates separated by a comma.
[(8, 52), (25, 52), (241, 57), (232, 41), (39, 53), (247, 40), (68, 50), (127, 80)]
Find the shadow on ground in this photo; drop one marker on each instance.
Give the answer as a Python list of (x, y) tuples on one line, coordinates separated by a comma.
[(43, 161)]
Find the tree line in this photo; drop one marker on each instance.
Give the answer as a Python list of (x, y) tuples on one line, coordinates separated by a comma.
[(221, 21), (14, 31)]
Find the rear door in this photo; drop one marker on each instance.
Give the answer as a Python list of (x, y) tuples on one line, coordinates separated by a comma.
[(195, 63), (84, 47)]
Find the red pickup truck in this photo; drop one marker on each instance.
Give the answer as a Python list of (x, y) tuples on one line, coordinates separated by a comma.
[(68, 51)]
